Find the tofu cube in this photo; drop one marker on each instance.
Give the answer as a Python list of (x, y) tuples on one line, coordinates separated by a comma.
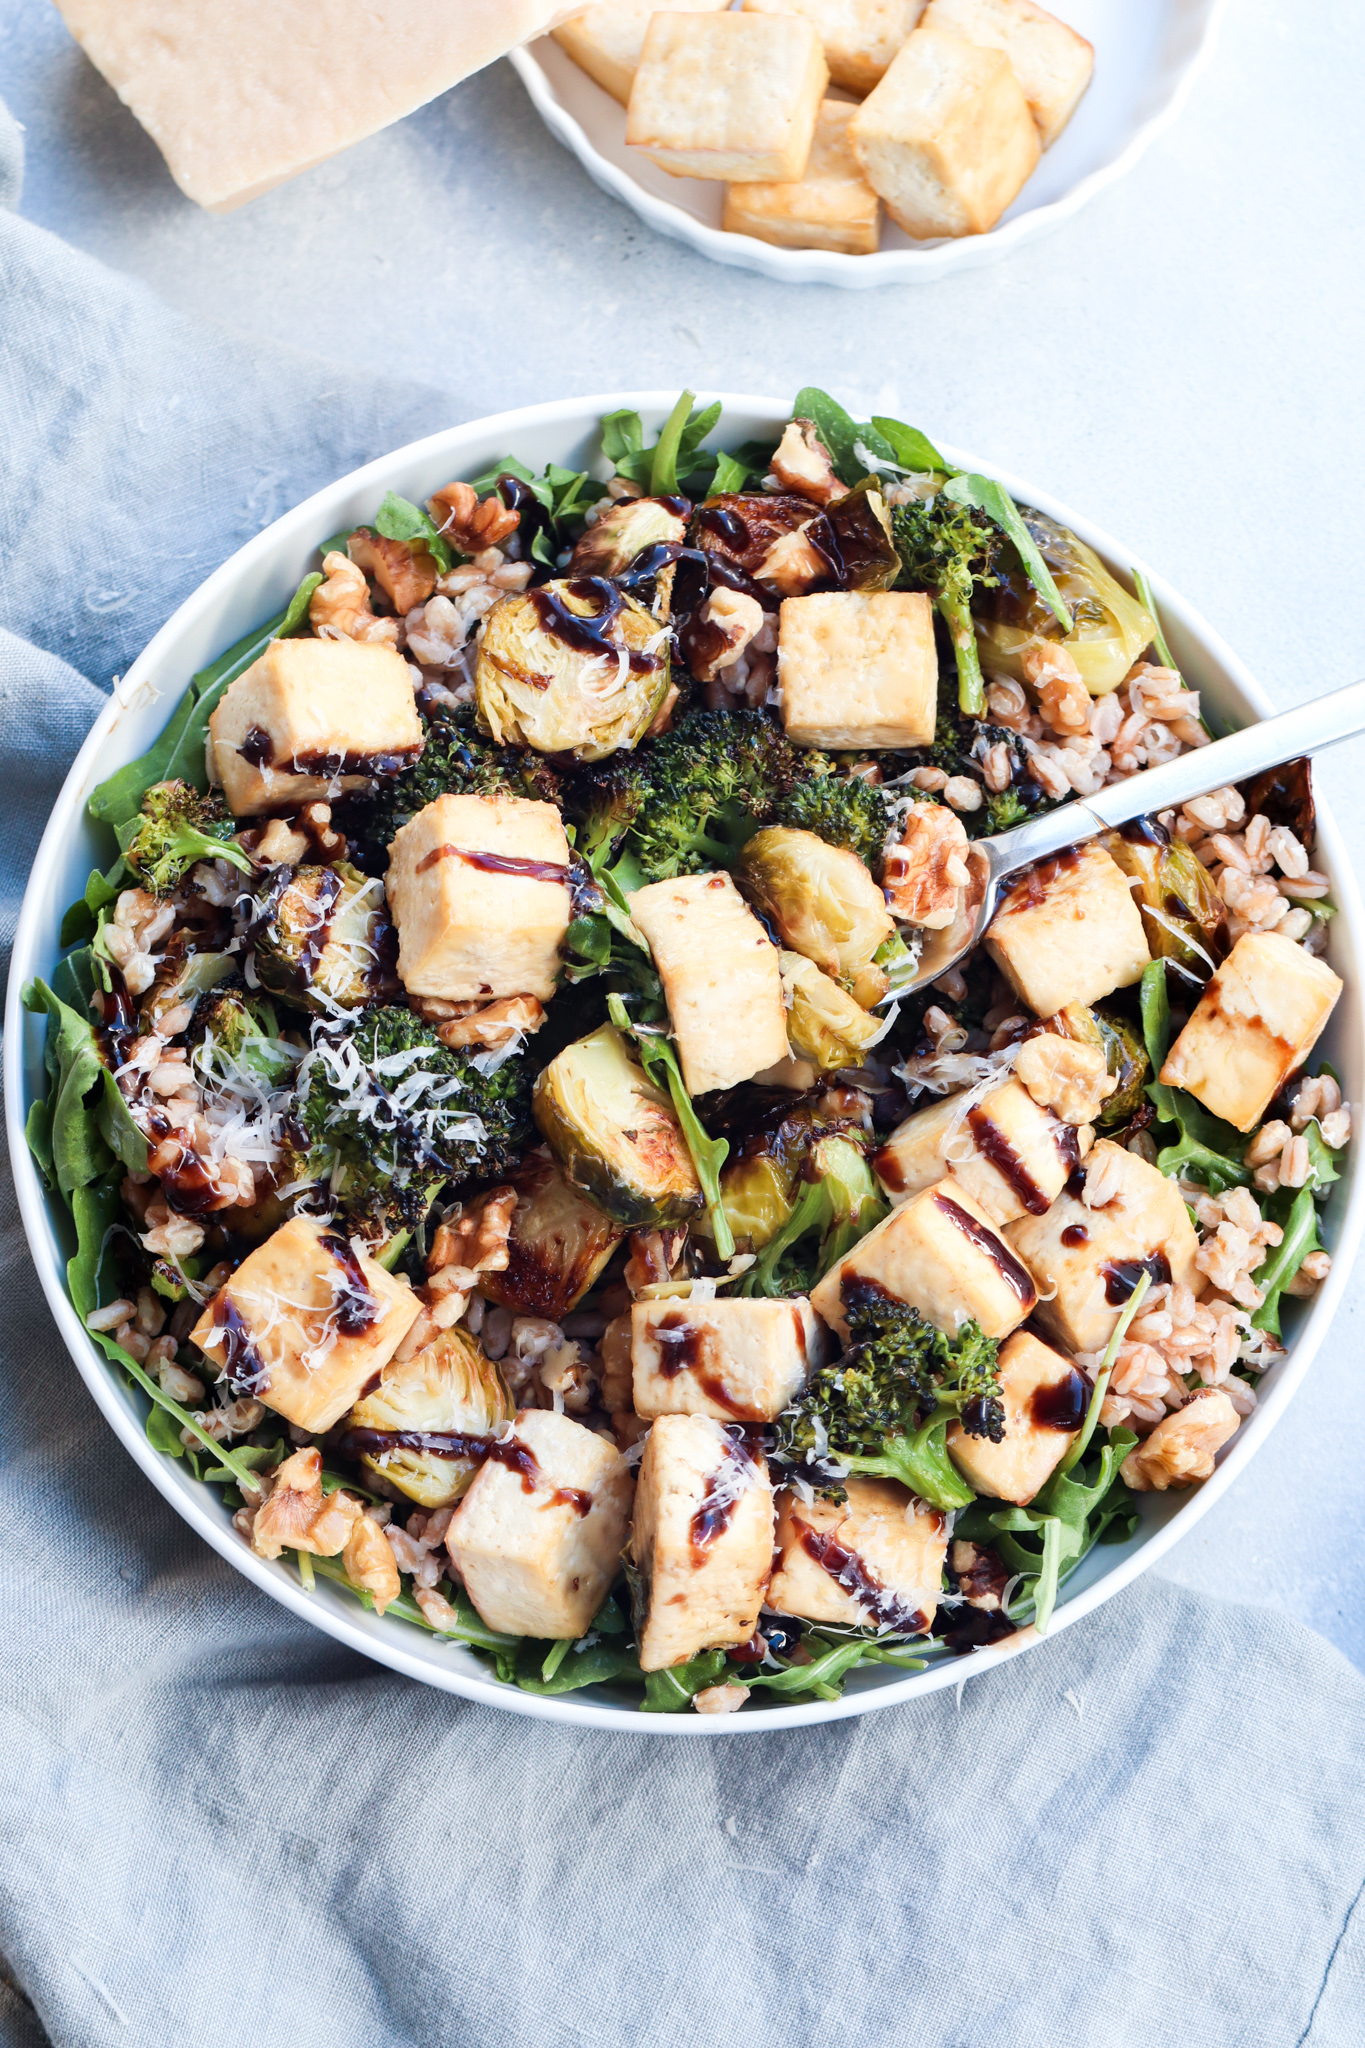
[(1051, 62), (703, 1538), (1069, 932), (831, 207), (538, 1537), (858, 669), (727, 96), (1258, 1019), (310, 720), (859, 37), (1045, 1399), (606, 41), (872, 1561), (479, 891), (940, 1252), (722, 977), (305, 1323), (740, 1361), (1011, 1156), (1087, 1260), (947, 138)]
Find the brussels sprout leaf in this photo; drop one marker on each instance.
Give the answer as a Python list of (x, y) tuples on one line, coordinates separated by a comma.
[(708, 1154)]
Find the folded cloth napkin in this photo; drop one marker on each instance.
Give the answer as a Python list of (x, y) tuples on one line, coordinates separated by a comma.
[(218, 1827)]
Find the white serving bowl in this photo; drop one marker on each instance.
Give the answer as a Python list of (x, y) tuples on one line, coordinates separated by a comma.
[(254, 585), (1147, 56)]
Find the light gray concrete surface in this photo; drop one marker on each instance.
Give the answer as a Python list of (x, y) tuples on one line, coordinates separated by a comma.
[(1184, 361)]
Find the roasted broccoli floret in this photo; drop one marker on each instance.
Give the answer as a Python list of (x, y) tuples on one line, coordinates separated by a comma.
[(846, 811), (712, 779), (602, 802), (456, 760), (950, 549), (179, 827), (237, 1032), (885, 1406), (321, 938)]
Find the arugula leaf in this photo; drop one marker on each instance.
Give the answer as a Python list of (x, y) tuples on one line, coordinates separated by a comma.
[(1065, 1521), (399, 519), (81, 921), (840, 433), (38, 1138), (95, 1209), (1156, 1013), (1207, 1149), (673, 1691), (994, 500), (566, 1668), (623, 437), (708, 1154), (730, 475), (911, 449), (823, 1678), (1299, 1221), (79, 1153), (1147, 597)]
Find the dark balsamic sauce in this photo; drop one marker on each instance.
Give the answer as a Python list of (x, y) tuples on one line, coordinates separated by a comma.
[(244, 1370), (1121, 1276), (357, 1310), (993, 1145), (1014, 1275), (373, 1443), (520, 1458), (188, 1185), (972, 1628), (889, 1170), (1028, 892), (590, 633), (257, 748), (498, 864), (320, 763), (682, 1346), (1075, 1234), (736, 1471), (1145, 832), (1063, 1404), (851, 1572)]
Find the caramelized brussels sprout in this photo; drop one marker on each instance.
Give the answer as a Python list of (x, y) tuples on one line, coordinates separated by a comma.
[(615, 1134), (573, 667), (865, 556), (559, 1243), (1125, 1057), (447, 1390), (822, 902), (1183, 914), (323, 939), (759, 1185), (1110, 628), (624, 533), (824, 1023), (743, 526)]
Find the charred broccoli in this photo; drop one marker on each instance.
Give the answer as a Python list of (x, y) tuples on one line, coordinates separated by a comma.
[(177, 828), (711, 781), (602, 802), (950, 549), (456, 760), (846, 811)]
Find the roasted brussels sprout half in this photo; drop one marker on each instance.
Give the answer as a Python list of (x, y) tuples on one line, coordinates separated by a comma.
[(743, 526), (1183, 914), (824, 1023), (323, 939), (615, 1134), (863, 556), (413, 1430), (1111, 628), (758, 1185), (1125, 1057), (573, 667), (623, 534), (823, 904), (559, 1243)]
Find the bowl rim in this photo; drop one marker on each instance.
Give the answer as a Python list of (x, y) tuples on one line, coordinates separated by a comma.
[(312, 519), (886, 266)]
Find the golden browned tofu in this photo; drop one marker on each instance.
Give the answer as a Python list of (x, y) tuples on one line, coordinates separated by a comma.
[(940, 1252), (722, 978), (731, 96), (858, 668), (606, 41), (1045, 1398), (741, 1361), (1011, 1156), (860, 37), (947, 138), (1051, 62), (479, 891), (703, 1538), (1118, 1218), (872, 1561), (1069, 932), (305, 1323), (538, 1537), (312, 720), (1258, 1019), (831, 206)]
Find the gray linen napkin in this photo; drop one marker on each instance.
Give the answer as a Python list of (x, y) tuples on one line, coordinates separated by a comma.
[(218, 1827)]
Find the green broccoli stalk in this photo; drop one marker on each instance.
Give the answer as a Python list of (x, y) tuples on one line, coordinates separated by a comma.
[(176, 829), (838, 1203), (950, 549), (709, 1154)]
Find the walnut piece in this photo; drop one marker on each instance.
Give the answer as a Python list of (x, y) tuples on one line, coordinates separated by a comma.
[(927, 867), (468, 525), (476, 1240), (735, 618), (1181, 1449), (802, 464), (492, 1024), (406, 574), (295, 1515), (1063, 699), (1068, 1078), (339, 608), (792, 564), (370, 1564)]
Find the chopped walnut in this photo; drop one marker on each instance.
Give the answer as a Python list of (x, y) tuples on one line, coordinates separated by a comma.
[(436, 1609), (339, 609), (369, 1562), (1061, 1075), (737, 617), (469, 525), (721, 1699), (926, 867), (280, 845), (406, 574), (802, 464), (1182, 1447), (295, 1514), (477, 1238), (792, 564), (493, 1024), (1063, 699)]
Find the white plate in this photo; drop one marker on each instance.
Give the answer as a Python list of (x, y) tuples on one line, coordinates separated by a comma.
[(255, 584), (1147, 55)]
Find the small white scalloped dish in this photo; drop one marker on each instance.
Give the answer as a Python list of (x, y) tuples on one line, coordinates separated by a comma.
[(1147, 56), (253, 586)]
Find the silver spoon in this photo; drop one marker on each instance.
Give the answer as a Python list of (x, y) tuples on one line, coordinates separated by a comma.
[(1305, 730)]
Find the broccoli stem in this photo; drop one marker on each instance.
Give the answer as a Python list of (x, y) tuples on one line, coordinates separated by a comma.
[(920, 1462), (971, 684)]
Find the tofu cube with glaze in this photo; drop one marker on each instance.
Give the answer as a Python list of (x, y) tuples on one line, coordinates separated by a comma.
[(740, 1361), (872, 1561), (947, 138), (831, 206), (538, 1538), (859, 37), (311, 720), (1069, 932), (1011, 1156), (1052, 63), (703, 1538), (1087, 1259), (858, 669), (722, 978), (1045, 1398), (479, 891), (306, 1323), (1258, 1019), (606, 40), (940, 1252), (731, 96)]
